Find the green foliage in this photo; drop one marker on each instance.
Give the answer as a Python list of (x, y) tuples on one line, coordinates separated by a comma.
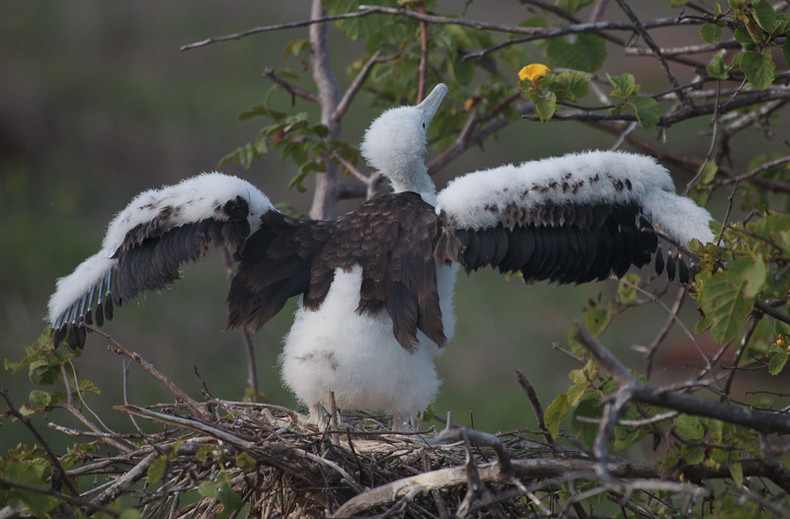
[(728, 296), (222, 490), (586, 52), (28, 467), (625, 89), (758, 29), (546, 90)]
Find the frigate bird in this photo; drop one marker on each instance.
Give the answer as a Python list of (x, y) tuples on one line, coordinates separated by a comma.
[(376, 284)]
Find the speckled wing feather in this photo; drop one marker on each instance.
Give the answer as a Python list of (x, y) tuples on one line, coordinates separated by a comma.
[(147, 242), (570, 219)]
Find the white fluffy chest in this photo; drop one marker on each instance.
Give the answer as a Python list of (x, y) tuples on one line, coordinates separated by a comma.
[(356, 357)]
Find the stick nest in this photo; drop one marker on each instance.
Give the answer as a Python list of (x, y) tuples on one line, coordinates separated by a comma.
[(277, 466)]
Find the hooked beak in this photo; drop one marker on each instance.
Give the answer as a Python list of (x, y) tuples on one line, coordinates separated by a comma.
[(430, 104)]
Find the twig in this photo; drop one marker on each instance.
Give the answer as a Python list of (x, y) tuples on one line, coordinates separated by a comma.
[(193, 406), (596, 27), (188, 423), (126, 395), (127, 480), (268, 28), (652, 348), (292, 89), (769, 310), (356, 85), (640, 28), (536, 407), (454, 434)]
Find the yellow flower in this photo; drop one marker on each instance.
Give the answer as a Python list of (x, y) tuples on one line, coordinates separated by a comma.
[(533, 72)]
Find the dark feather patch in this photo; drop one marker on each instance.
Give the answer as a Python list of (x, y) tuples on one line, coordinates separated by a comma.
[(391, 237), (561, 243)]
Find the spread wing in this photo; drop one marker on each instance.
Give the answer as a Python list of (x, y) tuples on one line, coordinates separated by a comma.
[(570, 219), (147, 242)]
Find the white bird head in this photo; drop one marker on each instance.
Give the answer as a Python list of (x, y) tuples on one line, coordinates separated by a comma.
[(394, 144)]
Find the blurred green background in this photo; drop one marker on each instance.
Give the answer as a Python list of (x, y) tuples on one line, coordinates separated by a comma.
[(98, 104)]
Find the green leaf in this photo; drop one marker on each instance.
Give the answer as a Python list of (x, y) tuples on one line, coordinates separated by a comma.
[(571, 6), (463, 71), (781, 328), (555, 413), (727, 297), (245, 462), (708, 172), (778, 360), (86, 386), (294, 47), (717, 69), (753, 276), (689, 426), (222, 490), (758, 68), (710, 32), (39, 398), (545, 104), (647, 111), (575, 394), (587, 53), (589, 407), (569, 85), (31, 475), (692, 454), (677, 3), (743, 37), (736, 471), (626, 291), (598, 318), (765, 15), (624, 85), (156, 470)]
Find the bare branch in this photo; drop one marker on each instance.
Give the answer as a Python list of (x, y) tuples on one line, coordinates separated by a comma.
[(294, 90), (536, 407), (758, 420), (325, 195), (640, 28), (269, 28), (193, 406), (356, 85)]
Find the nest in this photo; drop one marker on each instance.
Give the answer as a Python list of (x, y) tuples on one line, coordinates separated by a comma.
[(264, 460)]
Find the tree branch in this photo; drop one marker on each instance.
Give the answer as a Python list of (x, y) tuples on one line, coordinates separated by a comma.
[(326, 193), (759, 420)]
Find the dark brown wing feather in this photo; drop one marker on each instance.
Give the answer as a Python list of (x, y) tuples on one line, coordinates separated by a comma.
[(149, 258), (559, 243), (391, 237)]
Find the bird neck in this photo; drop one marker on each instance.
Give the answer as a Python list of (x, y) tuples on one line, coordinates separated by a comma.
[(416, 179)]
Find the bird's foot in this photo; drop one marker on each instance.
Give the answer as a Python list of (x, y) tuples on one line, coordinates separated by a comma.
[(318, 417), (403, 424)]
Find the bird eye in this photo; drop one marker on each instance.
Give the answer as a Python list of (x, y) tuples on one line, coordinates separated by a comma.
[(423, 125)]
